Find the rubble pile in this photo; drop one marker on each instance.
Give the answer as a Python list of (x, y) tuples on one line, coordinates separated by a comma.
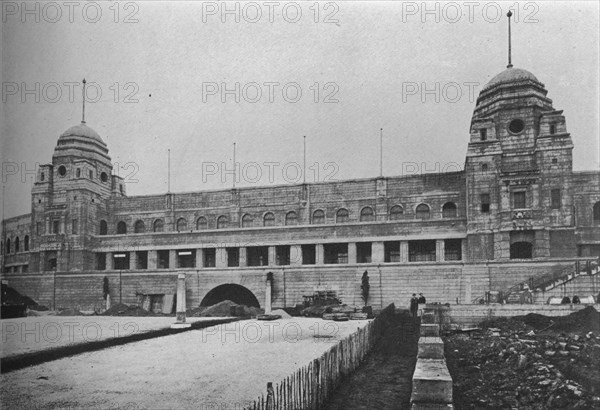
[(530, 362), (223, 309), (121, 309)]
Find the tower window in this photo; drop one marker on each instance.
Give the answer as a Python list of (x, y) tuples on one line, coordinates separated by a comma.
[(555, 199), (485, 202), (42, 176), (55, 226), (552, 129), (483, 134), (516, 126), (103, 177), (554, 160), (74, 226), (62, 171), (78, 172), (519, 200), (91, 174), (484, 167)]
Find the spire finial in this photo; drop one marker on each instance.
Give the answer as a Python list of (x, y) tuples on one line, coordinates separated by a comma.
[(83, 111), (509, 15)]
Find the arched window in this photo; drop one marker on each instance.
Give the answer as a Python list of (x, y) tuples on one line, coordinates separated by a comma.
[(181, 224), (291, 218), (17, 245), (103, 227), (269, 219), (26, 243), (121, 228), (159, 225), (484, 167), (7, 246), (367, 214), (222, 222), (201, 223), (247, 221), (449, 210), (139, 227), (396, 212), (318, 217), (596, 213), (422, 211), (341, 216)]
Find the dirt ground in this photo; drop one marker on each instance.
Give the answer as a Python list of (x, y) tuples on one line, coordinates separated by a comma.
[(384, 380), (224, 366), (529, 362)]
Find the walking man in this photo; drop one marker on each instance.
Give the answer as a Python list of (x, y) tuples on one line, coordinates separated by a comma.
[(414, 305)]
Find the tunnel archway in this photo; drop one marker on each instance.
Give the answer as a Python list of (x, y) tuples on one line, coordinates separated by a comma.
[(230, 291)]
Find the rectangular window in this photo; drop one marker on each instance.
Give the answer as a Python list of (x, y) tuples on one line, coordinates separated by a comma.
[(421, 251), (485, 202), (101, 261), (233, 257), (336, 253), (38, 228), (91, 174), (552, 129), (391, 251), (555, 199), (78, 172), (55, 226), (282, 255), (309, 255), (74, 226), (163, 259), (257, 255), (453, 249), (209, 256), (186, 258), (363, 252), (142, 260), (25, 268), (121, 260), (483, 134), (519, 200)]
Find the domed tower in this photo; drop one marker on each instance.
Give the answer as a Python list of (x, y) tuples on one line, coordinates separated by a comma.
[(68, 198), (518, 170)]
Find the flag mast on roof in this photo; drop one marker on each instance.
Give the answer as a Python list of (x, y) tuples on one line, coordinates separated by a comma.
[(83, 102), (509, 15)]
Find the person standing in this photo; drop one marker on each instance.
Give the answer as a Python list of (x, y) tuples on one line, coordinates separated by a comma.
[(422, 299), (414, 305)]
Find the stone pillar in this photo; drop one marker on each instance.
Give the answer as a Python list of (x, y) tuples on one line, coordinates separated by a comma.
[(440, 250), (152, 259), (180, 321), (295, 255), (403, 251), (320, 254), (268, 289), (173, 259), (132, 260), (377, 252), (243, 256), (272, 256), (221, 256), (199, 257), (352, 252), (109, 261)]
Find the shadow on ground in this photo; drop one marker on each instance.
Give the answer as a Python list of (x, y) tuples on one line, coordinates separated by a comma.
[(384, 379)]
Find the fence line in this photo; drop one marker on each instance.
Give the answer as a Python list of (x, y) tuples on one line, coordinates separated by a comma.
[(311, 385)]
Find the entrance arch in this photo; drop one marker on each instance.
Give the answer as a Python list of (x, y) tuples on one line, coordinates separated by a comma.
[(521, 250), (230, 291)]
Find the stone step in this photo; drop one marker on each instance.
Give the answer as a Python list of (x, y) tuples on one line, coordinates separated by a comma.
[(432, 383), (430, 347), (430, 329)]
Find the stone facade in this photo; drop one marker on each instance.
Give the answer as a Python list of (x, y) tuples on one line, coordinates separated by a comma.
[(516, 211)]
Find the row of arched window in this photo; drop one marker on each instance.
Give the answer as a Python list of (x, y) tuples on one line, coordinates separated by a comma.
[(367, 214), (17, 248)]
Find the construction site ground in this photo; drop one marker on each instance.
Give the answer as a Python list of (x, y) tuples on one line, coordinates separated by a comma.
[(528, 362)]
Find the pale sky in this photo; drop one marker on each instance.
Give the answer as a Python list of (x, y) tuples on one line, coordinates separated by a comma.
[(359, 55)]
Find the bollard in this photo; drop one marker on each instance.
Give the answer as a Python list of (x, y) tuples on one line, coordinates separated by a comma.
[(268, 289), (180, 319)]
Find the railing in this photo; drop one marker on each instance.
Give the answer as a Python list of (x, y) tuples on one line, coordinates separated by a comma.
[(310, 386)]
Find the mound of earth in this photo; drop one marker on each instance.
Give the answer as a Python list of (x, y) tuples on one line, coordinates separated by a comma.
[(121, 309), (282, 313), (223, 309), (69, 312)]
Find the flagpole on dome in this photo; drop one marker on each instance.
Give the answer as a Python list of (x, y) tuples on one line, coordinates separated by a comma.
[(509, 15), (83, 102)]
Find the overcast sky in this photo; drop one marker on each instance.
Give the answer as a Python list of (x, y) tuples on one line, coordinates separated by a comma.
[(359, 67)]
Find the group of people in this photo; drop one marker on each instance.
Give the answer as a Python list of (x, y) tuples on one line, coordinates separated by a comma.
[(415, 302)]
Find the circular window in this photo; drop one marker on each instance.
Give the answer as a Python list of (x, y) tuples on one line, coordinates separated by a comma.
[(62, 171), (103, 177), (516, 126)]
